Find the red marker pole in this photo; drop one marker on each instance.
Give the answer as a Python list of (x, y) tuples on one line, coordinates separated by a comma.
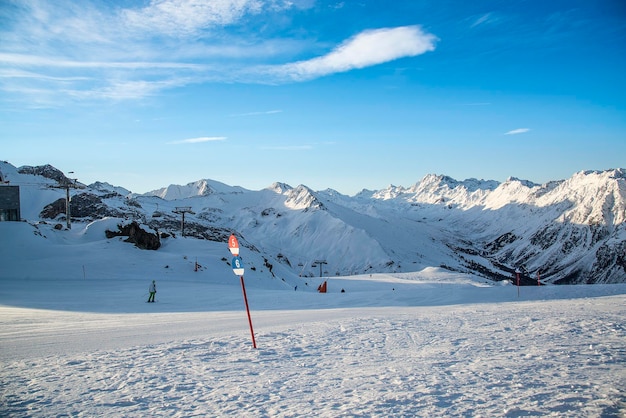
[(237, 264), (245, 299), (517, 275)]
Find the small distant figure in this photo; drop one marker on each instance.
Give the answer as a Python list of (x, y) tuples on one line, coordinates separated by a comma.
[(295, 288), (152, 290), (343, 290)]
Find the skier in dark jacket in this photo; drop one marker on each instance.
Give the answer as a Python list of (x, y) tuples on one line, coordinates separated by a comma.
[(152, 290)]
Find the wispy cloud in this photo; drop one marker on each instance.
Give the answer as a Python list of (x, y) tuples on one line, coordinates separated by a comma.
[(480, 20), (42, 61), (199, 140), (486, 19), (76, 51), (16, 73), (517, 131), (183, 18), (368, 48), (94, 50)]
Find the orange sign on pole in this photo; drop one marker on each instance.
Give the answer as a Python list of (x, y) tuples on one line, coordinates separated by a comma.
[(233, 245)]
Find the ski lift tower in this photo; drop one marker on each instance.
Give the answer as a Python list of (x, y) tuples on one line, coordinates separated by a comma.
[(182, 210), (320, 263), (67, 184)]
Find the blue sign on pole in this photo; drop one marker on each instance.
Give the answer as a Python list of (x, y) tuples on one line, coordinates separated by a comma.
[(237, 264)]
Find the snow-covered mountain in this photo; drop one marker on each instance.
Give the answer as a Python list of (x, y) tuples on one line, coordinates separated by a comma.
[(566, 231), (197, 188)]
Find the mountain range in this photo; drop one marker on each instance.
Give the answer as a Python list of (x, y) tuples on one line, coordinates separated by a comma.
[(562, 232)]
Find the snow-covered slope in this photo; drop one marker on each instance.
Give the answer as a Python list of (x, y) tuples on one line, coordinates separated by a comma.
[(78, 339), (567, 231)]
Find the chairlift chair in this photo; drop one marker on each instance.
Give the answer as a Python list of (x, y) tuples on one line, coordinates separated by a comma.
[(156, 213)]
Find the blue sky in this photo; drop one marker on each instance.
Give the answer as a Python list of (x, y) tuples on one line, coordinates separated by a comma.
[(331, 94)]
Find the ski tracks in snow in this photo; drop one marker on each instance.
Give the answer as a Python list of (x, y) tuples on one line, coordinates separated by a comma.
[(515, 359)]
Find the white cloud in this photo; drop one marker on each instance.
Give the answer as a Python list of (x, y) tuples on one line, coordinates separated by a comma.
[(15, 73), (482, 19), (185, 17), (488, 19), (87, 50), (199, 140), (126, 89), (366, 49), (517, 131), (55, 53), (41, 61)]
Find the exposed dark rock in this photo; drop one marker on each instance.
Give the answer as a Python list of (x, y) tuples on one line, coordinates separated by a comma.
[(545, 237), (500, 242), (136, 235), (46, 171), (84, 205), (53, 210), (610, 263)]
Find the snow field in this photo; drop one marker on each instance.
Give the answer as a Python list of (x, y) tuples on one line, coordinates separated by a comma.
[(551, 358)]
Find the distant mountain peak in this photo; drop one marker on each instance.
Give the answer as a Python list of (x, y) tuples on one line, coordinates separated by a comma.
[(615, 173), (303, 198), (279, 188), (525, 183), (389, 193), (109, 188), (197, 188), (438, 181), (46, 171)]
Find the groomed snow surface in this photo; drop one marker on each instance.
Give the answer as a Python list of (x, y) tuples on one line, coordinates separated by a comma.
[(78, 339)]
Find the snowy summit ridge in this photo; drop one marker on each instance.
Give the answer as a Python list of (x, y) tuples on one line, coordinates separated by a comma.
[(202, 187)]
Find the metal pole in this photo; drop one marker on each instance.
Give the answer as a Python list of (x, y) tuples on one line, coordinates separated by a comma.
[(68, 215), (245, 298), (321, 264), (182, 211), (67, 206)]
